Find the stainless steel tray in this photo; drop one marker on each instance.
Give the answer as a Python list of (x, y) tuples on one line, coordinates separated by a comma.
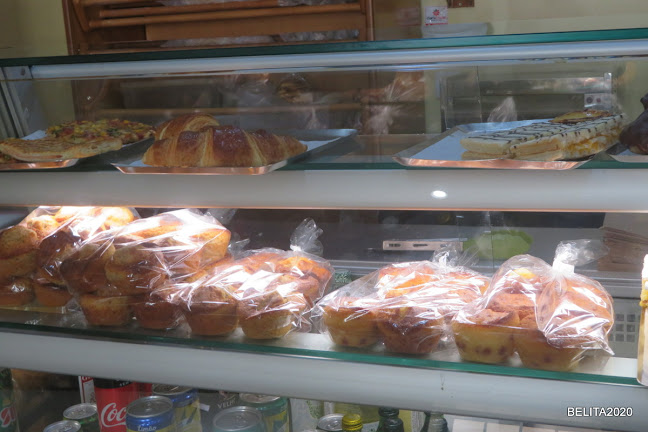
[(316, 140), (37, 165), (445, 151)]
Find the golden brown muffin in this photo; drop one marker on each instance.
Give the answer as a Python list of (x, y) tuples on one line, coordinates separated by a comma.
[(260, 261), (210, 310), (213, 243), (487, 336), (42, 225), (303, 266), (351, 322), (409, 329), (267, 314), (136, 269), (51, 295), (468, 279), (16, 292), (83, 271), (17, 251), (53, 250), (64, 214), (153, 312), (523, 304), (308, 286), (404, 278), (536, 353), (114, 216), (106, 311)]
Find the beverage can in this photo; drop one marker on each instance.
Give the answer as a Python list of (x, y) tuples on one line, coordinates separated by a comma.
[(113, 397), (145, 389), (150, 414), (8, 417), (239, 419), (330, 423), (186, 407), (275, 410), (63, 426), (85, 414), (212, 402)]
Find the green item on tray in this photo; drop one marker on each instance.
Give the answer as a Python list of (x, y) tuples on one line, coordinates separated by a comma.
[(500, 244)]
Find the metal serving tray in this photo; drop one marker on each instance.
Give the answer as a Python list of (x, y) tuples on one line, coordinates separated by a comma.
[(316, 140), (445, 151)]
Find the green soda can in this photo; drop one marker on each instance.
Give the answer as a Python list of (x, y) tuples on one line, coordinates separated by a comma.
[(275, 410), (85, 414), (186, 407), (8, 417)]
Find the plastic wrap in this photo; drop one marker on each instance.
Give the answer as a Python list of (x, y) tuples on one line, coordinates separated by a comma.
[(35, 248), (136, 268), (407, 305), (267, 292), (549, 315)]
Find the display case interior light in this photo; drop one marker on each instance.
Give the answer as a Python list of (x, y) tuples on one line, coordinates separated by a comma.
[(439, 194)]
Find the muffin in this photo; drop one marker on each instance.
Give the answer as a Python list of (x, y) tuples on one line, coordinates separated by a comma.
[(267, 314), (485, 337), (351, 322), (84, 270), (52, 251), (136, 269), (404, 278), (303, 266), (408, 328), (42, 225), (51, 295), (16, 292), (536, 353), (523, 304), (153, 312), (106, 311), (18, 246), (210, 310), (308, 286)]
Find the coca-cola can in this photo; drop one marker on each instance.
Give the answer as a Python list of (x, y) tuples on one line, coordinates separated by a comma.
[(113, 397)]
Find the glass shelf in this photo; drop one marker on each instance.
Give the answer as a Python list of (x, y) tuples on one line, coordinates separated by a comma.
[(409, 44), (616, 370)]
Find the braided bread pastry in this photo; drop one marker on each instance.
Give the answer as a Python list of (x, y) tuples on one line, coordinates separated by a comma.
[(222, 146)]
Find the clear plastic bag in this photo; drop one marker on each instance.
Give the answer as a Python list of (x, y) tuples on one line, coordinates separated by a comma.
[(551, 316), (267, 292), (407, 306)]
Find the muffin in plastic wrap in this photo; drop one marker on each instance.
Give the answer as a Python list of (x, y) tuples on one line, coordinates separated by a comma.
[(138, 268), (407, 306), (267, 292), (551, 316)]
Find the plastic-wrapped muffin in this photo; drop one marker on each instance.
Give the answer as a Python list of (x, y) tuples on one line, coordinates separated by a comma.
[(84, 270), (16, 292), (265, 310), (210, 310), (351, 322), (51, 295), (536, 352), (409, 327), (303, 266), (405, 278), (154, 312), (52, 251), (106, 311), (485, 336), (43, 225), (18, 250), (137, 269)]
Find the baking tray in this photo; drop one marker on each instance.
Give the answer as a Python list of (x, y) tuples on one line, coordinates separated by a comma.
[(317, 141), (620, 153), (21, 166), (444, 151)]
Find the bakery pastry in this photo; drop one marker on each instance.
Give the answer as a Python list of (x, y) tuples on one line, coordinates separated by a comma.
[(536, 353), (17, 251), (221, 146), (210, 310), (113, 217), (106, 311), (43, 225), (154, 312), (84, 270), (485, 336), (52, 251), (50, 149), (405, 278), (351, 322), (136, 268), (189, 122), (84, 130), (51, 295), (16, 292), (409, 328)]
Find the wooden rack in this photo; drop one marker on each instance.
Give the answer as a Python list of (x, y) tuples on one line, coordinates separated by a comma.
[(96, 26)]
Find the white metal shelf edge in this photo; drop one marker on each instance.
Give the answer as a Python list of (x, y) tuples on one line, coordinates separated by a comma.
[(347, 59), (420, 389), (577, 190)]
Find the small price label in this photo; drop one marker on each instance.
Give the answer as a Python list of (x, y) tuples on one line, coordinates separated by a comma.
[(436, 15)]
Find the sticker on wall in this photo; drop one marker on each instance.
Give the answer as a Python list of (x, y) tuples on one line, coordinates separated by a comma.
[(436, 15)]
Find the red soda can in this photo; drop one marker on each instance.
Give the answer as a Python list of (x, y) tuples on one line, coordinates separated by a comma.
[(145, 389), (113, 397)]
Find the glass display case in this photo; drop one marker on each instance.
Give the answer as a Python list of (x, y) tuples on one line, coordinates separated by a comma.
[(356, 106)]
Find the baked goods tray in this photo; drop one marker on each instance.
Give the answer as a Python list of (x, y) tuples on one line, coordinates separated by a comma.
[(444, 151), (317, 141), (22, 166)]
